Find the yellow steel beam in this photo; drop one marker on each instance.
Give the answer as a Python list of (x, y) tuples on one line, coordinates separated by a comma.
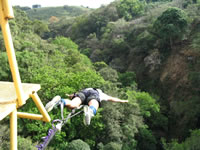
[(8, 11), (30, 116), (4, 15), (40, 106), (13, 130)]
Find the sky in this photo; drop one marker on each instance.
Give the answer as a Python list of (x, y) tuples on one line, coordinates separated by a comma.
[(49, 3)]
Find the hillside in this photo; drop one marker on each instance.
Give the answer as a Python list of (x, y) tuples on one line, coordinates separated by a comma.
[(160, 42), (145, 51), (59, 67), (45, 13)]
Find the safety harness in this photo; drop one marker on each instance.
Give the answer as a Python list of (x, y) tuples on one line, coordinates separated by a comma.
[(60, 123)]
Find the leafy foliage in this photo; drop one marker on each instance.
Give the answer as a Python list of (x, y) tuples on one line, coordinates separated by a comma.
[(100, 65), (112, 146), (109, 74), (45, 13), (171, 25), (195, 42), (130, 8), (190, 143), (146, 102), (4, 137), (25, 143), (127, 79), (120, 43), (4, 69), (146, 140), (187, 113), (40, 28), (59, 76), (195, 78), (122, 123), (78, 145)]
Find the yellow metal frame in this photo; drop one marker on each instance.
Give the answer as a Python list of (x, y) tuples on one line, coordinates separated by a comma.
[(6, 12), (44, 117), (13, 130)]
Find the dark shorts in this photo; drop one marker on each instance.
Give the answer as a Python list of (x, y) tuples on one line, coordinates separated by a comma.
[(87, 96)]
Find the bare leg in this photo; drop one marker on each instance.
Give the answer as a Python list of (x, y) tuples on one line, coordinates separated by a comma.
[(94, 103), (75, 102), (90, 111)]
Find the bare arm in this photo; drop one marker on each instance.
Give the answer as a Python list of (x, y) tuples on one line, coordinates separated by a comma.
[(114, 99)]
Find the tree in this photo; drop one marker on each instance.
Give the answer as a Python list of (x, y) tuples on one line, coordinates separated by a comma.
[(100, 65), (191, 143), (25, 143), (127, 79), (170, 26), (4, 136), (146, 140), (112, 146), (53, 19), (195, 42), (122, 122), (5, 74), (40, 27), (78, 145), (109, 74), (66, 42), (130, 8)]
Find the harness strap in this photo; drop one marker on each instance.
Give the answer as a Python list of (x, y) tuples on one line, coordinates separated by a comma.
[(61, 107), (52, 132)]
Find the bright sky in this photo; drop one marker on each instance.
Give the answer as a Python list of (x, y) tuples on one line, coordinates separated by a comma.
[(47, 3)]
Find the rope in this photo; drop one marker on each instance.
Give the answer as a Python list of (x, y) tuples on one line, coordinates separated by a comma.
[(52, 132), (47, 139)]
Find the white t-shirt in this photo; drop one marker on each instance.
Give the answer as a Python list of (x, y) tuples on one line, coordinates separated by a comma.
[(103, 96)]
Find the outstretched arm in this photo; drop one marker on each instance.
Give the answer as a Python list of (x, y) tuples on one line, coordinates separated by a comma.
[(114, 99)]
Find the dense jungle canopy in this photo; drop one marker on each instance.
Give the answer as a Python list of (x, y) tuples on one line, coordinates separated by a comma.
[(145, 51)]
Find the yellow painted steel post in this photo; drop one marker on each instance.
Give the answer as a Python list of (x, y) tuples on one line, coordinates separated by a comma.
[(10, 49), (8, 11), (30, 116), (40, 106), (13, 130)]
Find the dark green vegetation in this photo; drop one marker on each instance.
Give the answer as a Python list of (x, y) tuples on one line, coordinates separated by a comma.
[(144, 51)]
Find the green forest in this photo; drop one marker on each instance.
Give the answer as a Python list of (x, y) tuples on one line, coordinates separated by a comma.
[(147, 52)]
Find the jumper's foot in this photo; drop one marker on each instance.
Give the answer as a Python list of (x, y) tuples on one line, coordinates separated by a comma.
[(53, 103)]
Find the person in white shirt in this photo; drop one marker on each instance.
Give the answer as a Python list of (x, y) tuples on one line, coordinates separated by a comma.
[(90, 97)]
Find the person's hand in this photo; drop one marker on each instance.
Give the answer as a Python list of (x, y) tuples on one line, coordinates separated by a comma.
[(70, 95)]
